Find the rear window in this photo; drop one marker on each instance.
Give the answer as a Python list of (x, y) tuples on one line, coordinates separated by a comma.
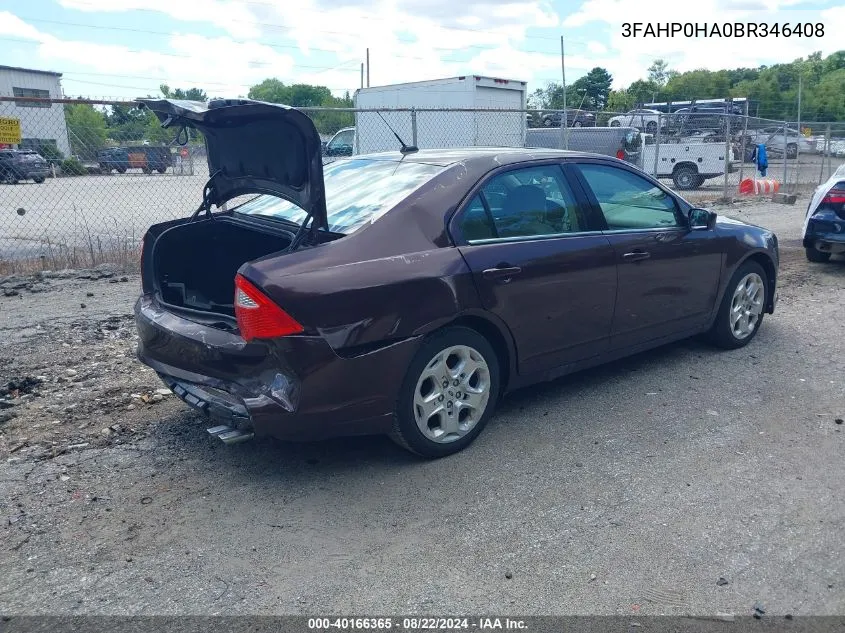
[(358, 191)]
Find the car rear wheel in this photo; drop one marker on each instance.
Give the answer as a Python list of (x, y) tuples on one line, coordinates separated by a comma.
[(651, 127), (615, 124), (685, 178), (792, 150), (39, 179), (547, 121), (449, 393), (742, 308), (817, 257)]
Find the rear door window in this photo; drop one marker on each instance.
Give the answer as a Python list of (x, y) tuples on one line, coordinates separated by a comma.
[(529, 202)]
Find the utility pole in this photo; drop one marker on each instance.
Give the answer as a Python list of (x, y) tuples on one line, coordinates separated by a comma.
[(564, 118), (362, 74), (368, 68), (798, 140)]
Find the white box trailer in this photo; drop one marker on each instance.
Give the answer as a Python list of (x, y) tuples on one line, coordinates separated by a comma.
[(427, 129)]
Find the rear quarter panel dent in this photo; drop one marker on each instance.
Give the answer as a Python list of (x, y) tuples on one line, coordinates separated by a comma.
[(380, 300)]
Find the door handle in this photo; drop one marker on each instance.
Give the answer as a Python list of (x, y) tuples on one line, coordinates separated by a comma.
[(636, 256), (503, 274)]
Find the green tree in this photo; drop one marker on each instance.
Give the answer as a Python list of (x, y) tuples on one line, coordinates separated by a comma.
[(191, 94), (658, 72), (86, 128), (620, 101), (593, 89)]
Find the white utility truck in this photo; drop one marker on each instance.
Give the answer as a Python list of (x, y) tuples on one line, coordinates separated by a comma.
[(687, 164), (461, 123)]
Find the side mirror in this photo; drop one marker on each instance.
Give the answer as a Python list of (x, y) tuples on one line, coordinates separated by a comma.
[(701, 219)]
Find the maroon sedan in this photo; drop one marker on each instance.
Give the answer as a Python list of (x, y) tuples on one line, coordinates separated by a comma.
[(404, 293)]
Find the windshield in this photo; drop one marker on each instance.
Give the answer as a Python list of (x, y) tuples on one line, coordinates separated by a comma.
[(357, 191)]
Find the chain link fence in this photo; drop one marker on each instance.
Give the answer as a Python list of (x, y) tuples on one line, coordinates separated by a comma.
[(87, 178)]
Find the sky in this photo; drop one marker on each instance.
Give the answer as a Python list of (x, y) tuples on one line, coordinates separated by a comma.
[(127, 48)]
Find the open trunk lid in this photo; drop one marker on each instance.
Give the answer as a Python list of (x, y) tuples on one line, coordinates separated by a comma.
[(254, 148)]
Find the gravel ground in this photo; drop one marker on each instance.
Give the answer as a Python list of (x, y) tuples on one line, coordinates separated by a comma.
[(628, 489)]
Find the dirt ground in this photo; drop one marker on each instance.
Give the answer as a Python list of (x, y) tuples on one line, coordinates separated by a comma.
[(629, 489)]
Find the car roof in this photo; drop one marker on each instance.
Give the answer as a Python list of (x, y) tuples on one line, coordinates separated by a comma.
[(476, 155)]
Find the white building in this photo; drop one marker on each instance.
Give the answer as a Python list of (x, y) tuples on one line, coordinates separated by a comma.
[(41, 123)]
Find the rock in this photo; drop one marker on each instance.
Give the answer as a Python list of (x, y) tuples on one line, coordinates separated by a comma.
[(116, 428), (508, 574), (124, 279), (146, 500), (89, 294), (81, 305), (157, 397), (838, 421), (64, 478), (105, 431), (721, 582), (592, 577), (71, 372), (131, 407), (164, 392)]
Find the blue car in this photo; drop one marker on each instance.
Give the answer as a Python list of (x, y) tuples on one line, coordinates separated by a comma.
[(824, 225)]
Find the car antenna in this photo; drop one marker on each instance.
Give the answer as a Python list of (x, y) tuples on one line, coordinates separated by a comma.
[(405, 149)]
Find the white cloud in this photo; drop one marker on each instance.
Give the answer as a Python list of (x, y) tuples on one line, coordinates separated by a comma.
[(233, 17), (219, 65), (596, 48)]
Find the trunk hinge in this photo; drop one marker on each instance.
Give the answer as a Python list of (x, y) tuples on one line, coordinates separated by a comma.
[(208, 197)]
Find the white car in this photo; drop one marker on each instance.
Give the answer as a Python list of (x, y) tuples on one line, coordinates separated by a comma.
[(824, 225), (775, 142), (643, 119)]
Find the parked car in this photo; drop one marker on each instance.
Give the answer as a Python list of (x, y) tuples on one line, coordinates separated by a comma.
[(403, 293), (773, 137), (341, 144), (113, 158), (147, 158), (642, 119), (700, 119), (574, 118), (22, 164), (824, 223)]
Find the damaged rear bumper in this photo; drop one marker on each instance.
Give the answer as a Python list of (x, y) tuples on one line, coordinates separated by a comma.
[(292, 388)]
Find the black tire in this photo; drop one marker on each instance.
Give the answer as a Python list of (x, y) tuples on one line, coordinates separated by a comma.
[(39, 179), (792, 150), (161, 170), (615, 124), (405, 432), (121, 170), (576, 124), (651, 127), (817, 257), (147, 170), (686, 178), (105, 169), (547, 121), (722, 334)]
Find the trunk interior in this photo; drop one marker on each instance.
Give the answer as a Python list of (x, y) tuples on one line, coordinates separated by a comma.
[(194, 264)]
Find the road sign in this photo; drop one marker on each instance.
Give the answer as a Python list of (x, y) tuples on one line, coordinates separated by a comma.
[(183, 152), (10, 131)]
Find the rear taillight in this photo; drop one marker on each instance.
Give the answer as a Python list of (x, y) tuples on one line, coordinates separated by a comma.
[(143, 242), (620, 155), (258, 316), (835, 195)]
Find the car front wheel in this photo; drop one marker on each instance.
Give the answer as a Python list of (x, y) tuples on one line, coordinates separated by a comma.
[(449, 393), (615, 124), (742, 308)]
